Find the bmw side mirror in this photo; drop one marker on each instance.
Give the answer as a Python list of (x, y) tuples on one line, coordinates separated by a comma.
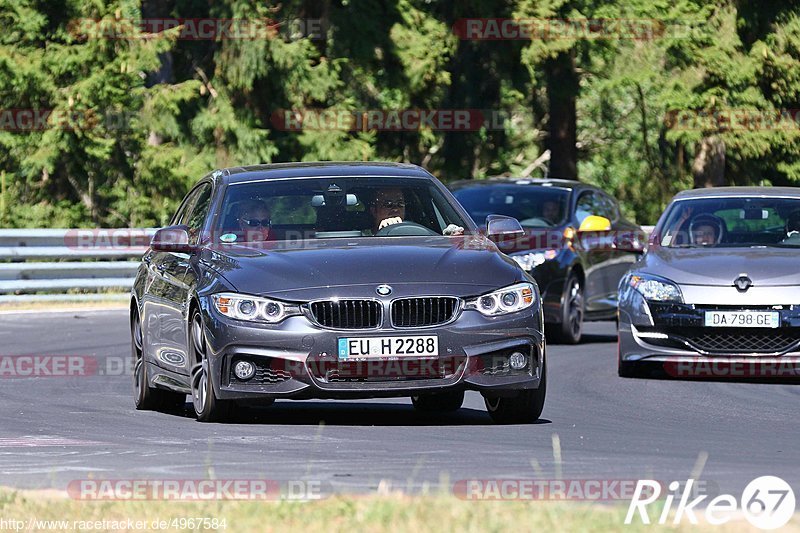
[(172, 239), (500, 225)]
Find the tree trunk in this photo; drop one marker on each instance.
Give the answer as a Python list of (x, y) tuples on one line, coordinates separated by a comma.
[(158, 9), (562, 91), (708, 167)]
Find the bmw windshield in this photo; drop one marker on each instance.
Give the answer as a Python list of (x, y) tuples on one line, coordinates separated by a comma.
[(349, 207), (733, 222)]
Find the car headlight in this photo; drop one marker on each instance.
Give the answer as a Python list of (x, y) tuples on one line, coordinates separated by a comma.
[(503, 301), (253, 308), (655, 289), (530, 260)]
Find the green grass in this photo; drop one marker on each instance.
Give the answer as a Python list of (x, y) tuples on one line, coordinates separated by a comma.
[(395, 513)]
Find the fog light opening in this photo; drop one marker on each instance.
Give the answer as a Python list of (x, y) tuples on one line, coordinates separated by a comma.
[(244, 370), (518, 361)]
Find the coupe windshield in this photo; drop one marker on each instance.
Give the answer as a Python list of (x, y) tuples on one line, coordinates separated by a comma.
[(733, 222), (346, 207), (533, 206)]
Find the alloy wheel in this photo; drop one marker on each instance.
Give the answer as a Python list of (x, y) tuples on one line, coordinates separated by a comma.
[(200, 373), (575, 306), (138, 347)]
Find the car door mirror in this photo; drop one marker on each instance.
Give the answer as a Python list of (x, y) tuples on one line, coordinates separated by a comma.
[(595, 223), (499, 225), (172, 239), (634, 241)]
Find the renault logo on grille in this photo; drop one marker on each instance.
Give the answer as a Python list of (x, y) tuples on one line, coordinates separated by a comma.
[(384, 290), (743, 283)]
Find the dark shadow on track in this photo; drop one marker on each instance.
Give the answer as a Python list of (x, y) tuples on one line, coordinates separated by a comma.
[(314, 413), (587, 338), (592, 338)]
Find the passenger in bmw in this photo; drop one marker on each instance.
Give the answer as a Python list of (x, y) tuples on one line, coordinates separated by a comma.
[(254, 221)]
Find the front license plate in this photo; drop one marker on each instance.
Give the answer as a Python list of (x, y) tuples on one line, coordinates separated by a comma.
[(410, 346), (743, 319)]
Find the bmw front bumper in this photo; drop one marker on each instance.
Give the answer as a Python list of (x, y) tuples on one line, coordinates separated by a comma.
[(298, 359)]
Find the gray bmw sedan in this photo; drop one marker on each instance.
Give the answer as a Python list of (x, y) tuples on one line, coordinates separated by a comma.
[(717, 295), (333, 280)]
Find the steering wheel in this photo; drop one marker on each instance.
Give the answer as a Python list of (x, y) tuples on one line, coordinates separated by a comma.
[(405, 229)]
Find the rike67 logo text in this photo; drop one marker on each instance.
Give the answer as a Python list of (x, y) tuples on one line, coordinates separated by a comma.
[(767, 502)]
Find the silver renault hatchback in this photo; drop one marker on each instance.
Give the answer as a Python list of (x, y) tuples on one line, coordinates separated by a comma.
[(717, 294)]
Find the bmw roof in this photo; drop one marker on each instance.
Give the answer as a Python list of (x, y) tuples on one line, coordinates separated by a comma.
[(323, 169)]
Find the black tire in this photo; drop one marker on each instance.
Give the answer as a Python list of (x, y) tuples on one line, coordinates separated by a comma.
[(207, 407), (442, 402), (523, 408), (145, 397), (626, 370), (573, 309)]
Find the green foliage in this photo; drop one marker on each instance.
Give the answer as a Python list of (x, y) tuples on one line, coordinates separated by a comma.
[(135, 120)]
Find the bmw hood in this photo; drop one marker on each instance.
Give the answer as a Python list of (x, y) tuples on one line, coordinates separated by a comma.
[(325, 268), (765, 266)]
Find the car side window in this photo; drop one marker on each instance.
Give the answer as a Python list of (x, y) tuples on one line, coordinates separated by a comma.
[(182, 214), (199, 212), (606, 207), (585, 206)]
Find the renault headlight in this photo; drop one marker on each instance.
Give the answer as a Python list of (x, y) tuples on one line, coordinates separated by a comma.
[(530, 260), (253, 308), (655, 289), (503, 301)]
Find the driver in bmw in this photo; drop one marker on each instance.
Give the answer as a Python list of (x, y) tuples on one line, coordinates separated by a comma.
[(389, 207)]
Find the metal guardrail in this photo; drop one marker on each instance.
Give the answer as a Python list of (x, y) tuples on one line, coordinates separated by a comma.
[(58, 260)]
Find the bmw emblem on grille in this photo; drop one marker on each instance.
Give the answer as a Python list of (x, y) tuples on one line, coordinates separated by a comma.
[(384, 290), (743, 283)]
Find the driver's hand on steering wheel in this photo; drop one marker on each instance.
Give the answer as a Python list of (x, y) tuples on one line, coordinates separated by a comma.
[(389, 222)]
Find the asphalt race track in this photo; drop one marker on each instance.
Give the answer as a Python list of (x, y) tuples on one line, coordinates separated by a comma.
[(57, 429)]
